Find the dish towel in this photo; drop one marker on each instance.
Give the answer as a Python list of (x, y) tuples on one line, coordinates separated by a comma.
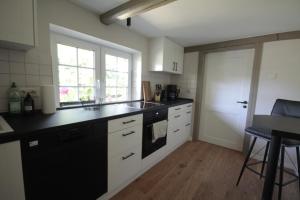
[(159, 130)]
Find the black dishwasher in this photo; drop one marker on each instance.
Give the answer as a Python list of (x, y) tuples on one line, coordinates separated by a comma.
[(66, 163)]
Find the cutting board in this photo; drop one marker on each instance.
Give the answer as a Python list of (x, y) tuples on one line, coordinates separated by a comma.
[(147, 94)]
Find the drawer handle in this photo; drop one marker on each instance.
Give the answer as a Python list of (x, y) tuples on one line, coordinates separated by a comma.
[(177, 116), (188, 124), (125, 134), (178, 109), (126, 157), (127, 122), (176, 130), (189, 106), (189, 112)]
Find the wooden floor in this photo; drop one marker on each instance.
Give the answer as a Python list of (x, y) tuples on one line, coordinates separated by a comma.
[(199, 171)]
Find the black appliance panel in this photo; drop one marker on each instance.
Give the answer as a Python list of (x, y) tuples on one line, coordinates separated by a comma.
[(148, 119), (66, 164)]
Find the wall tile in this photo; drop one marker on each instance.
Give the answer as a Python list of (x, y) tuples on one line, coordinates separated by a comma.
[(4, 80), (46, 70), (4, 67), (3, 91), (3, 54), (32, 69), (32, 80), (17, 56), (32, 56), (3, 105), (17, 68), (46, 80), (19, 79)]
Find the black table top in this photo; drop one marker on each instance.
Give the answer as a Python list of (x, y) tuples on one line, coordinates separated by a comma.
[(27, 124), (287, 127)]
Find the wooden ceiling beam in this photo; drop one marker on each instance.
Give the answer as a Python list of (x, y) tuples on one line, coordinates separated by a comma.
[(130, 9)]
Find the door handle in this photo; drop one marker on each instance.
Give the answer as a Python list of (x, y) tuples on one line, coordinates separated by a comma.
[(242, 102)]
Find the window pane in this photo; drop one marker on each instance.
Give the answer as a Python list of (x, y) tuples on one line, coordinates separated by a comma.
[(67, 76), (68, 94), (122, 94), (86, 77), (122, 80), (86, 58), (66, 55), (122, 64), (110, 94), (110, 62), (86, 93), (111, 79)]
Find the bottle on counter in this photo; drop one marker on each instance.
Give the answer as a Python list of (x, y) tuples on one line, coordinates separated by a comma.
[(28, 104), (14, 100)]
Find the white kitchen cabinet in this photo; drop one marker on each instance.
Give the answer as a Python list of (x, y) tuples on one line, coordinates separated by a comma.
[(166, 56), (18, 23), (11, 174), (124, 150), (179, 125)]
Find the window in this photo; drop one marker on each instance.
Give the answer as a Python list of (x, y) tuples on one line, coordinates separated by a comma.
[(117, 75), (76, 69), (80, 76)]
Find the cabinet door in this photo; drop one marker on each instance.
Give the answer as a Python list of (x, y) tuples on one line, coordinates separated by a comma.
[(17, 21), (179, 59), (169, 56), (11, 174)]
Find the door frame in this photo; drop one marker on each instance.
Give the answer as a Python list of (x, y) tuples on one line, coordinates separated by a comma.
[(253, 86)]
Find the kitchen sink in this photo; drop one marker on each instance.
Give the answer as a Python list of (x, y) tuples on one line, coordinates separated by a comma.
[(4, 126)]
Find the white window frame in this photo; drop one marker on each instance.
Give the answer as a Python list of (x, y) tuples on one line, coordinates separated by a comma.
[(100, 71), (64, 40), (117, 53)]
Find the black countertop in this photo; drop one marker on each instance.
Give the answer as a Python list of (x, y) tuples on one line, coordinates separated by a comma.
[(27, 124)]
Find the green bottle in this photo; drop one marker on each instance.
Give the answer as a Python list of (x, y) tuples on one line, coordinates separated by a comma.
[(14, 99)]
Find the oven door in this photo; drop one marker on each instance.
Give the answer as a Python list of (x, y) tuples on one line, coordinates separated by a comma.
[(150, 118)]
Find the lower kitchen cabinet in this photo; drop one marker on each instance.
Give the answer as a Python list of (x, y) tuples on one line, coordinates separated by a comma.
[(11, 174), (124, 150)]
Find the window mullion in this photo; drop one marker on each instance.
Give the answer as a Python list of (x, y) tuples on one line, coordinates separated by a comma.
[(77, 75)]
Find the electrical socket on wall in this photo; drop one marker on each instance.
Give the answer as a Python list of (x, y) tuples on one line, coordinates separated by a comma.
[(34, 92)]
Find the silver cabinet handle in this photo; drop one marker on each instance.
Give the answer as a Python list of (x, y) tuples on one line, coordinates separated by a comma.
[(127, 122), (126, 157), (125, 134), (176, 130), (189, 106), (176, 67), (188, 112), (178, 109), (177, 116), (188, 124)]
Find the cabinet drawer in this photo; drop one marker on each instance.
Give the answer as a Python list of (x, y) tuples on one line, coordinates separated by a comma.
[(175, 136), (188, 115), (176, 110), (125, 122), (120, 141), (175, 120), (123, 167)]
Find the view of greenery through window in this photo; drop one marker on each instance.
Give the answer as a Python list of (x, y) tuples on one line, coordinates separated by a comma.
[(76, 69)]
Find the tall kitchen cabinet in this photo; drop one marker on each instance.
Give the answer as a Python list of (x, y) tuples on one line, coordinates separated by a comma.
[(11, 173), (18, 23), (166, 56)]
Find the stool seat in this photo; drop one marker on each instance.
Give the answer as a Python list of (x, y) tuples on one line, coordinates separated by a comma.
[(267, 134)]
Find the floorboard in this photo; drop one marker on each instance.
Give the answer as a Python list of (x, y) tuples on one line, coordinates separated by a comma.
[(200, 171)]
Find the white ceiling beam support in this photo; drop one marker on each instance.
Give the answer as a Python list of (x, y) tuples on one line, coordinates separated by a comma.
[(130, 9)]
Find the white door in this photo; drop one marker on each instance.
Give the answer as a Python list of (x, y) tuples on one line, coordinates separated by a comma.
[(227, 79)]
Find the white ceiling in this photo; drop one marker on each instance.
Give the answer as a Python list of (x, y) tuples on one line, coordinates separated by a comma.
[(193, 22)]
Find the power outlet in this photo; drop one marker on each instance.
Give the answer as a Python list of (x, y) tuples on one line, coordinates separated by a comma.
[(34, 92)]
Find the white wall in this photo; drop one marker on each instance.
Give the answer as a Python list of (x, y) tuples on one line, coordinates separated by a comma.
[(279, 78), (71, 16)]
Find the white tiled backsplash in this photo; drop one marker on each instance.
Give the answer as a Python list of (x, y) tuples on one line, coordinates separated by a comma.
[(27, 69)]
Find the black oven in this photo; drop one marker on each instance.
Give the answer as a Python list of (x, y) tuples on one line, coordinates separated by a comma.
[(149, 119)]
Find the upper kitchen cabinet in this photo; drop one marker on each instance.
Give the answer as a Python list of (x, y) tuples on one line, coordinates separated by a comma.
[(166, 56), (17, 23)]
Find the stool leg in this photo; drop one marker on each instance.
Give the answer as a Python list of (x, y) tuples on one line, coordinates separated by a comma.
[(264, 161), (281, 172), (298, 164), (246, 160)]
